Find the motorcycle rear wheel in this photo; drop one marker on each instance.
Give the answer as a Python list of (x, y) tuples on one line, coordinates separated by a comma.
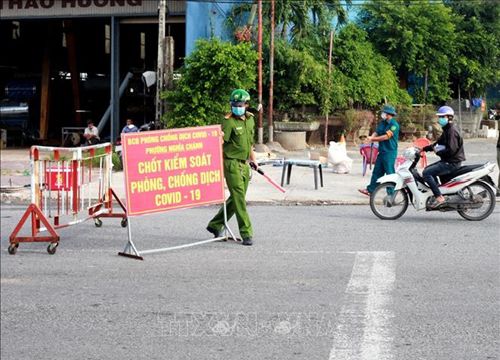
[(387, 203), (483, 190)]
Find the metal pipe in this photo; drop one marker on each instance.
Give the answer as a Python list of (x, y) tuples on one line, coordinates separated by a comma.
[(107, 113)]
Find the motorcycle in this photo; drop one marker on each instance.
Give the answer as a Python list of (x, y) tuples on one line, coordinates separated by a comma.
[(469, 190)]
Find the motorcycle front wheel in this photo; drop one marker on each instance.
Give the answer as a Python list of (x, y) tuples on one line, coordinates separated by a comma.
[(481, 193), (387, 203)]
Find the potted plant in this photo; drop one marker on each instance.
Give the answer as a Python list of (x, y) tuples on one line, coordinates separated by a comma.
[(420, 131)]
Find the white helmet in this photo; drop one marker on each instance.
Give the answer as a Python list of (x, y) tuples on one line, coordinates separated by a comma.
[(445, 110)]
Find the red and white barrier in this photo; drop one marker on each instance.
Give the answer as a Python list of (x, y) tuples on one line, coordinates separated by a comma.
[(68, 186)]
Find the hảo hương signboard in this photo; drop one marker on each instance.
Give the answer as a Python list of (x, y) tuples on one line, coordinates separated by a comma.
[(172, 169)]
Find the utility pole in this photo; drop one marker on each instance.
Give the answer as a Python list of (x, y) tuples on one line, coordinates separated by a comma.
[(329, 82), (162, 16), (271, 76), (260, 127), (459, 108)]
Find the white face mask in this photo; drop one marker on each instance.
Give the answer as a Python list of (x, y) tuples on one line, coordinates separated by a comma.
[(130, 126), (383, 115)]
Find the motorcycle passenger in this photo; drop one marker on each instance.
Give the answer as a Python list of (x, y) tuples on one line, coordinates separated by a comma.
[(449, 147)]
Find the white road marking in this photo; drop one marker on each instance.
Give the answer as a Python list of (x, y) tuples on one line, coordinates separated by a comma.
[(364, 323), (314, 252)]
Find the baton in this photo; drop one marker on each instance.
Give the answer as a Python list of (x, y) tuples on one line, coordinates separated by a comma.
[(269, 180)]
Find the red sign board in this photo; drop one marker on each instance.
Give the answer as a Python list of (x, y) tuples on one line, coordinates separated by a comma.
[(172, 169), (59, 178)]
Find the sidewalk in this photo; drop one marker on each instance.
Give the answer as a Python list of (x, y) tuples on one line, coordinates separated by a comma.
[(338, 188)]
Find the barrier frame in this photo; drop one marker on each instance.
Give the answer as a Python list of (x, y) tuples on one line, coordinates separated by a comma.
[(75, 167), (131, 251)]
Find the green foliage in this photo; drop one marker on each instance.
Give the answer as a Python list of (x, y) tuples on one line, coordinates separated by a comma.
[(117, 163), (477, 63), (211, 72), (369, 79), (417, 37), (299, 78), (99, 154), (350, 119), (405, 116)]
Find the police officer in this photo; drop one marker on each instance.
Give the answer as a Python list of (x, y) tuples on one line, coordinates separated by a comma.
[(238, 129), (386, 134)]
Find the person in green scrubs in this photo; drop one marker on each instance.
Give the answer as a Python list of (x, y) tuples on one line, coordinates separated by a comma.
[(238, 128)]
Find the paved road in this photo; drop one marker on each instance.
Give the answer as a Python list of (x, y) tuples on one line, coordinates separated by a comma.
[(329, 282)]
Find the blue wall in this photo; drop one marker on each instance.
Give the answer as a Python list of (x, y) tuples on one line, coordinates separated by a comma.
[(204, 20)]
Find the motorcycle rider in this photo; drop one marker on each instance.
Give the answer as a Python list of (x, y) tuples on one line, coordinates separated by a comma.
[(449, 147)]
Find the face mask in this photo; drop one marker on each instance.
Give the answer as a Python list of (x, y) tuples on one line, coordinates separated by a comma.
[(130, 126), (442, 121), (238, 111), (383, 116)]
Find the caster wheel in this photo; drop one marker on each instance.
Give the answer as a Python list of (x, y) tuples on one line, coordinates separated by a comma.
[(98, 222), (124, 222), (51, 249), (13, 248)]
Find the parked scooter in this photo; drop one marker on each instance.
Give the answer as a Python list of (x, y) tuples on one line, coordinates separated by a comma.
[(469, 190)]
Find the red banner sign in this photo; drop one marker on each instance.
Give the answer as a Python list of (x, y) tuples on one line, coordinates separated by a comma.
[(172, 169)]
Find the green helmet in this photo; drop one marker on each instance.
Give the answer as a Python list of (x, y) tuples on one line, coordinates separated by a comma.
[(388, 109), (240, 95)]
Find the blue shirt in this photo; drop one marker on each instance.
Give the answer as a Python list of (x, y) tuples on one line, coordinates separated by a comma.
[(127, 129), (391, 129)]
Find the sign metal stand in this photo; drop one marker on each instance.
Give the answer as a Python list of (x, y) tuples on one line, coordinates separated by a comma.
[(132, 252)]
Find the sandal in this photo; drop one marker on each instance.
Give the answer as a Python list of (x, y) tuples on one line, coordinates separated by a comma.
[(364, 192)]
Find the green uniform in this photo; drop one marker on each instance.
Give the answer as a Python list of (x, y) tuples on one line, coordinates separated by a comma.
[(387, 151), (238, 142)]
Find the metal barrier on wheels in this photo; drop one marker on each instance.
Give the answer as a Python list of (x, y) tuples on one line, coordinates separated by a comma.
[(68, 186)]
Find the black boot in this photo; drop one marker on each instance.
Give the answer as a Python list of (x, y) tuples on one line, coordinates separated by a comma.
[(247, 241), (215, 233)]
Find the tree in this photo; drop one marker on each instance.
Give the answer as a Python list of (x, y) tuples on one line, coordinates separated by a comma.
[(368, 77), (299, 80), (305, 21), (418, 37), (209, 75), (303, 16), (478, 32)]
